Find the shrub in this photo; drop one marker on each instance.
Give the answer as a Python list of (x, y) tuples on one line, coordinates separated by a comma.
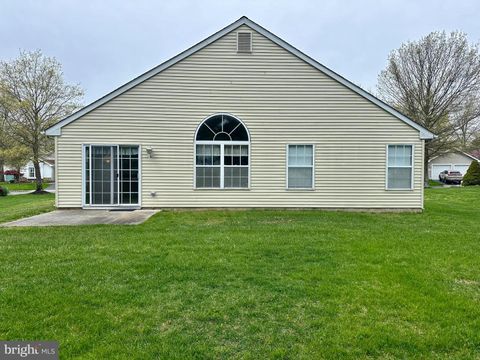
[(472, 177), (3, 191)]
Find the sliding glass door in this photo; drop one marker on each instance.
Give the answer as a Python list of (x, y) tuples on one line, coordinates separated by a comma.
[(111, 175)]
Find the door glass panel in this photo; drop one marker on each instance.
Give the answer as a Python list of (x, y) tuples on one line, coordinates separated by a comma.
[(102, 175), (128, 173), (87, 175)]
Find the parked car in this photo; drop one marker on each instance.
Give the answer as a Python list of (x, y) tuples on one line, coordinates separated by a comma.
[(450, 177)]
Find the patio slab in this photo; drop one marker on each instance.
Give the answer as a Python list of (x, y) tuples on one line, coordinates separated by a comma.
[(85, 217)]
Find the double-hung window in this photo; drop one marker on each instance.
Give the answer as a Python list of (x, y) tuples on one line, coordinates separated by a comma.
[(400, 167), (222, 153), (300, 171), (208, 166), (235, 166)]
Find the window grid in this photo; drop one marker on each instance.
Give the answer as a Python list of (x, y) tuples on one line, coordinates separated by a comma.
[(300, 166), (399, 167)]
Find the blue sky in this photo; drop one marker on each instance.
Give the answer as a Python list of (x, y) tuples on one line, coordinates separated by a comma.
[(103, 44)]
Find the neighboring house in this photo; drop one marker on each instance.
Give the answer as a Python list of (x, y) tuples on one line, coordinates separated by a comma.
[(47, 169), (453, 160), (241, 119)]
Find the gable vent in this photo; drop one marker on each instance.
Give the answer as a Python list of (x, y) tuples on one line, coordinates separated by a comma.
[(244, 42)]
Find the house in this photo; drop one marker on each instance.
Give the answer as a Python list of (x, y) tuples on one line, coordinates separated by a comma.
[(47, 168), (452, 160), (241, 119)]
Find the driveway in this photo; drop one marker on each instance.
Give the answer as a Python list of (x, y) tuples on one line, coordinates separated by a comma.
[(50, 188), (85, 217)]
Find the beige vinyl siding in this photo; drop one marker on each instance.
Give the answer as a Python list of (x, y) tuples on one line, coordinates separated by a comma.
[(281, 99)]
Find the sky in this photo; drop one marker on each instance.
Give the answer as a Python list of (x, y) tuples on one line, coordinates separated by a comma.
[(103, 44)]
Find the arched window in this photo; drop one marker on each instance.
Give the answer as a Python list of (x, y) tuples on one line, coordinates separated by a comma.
[(222, 151)]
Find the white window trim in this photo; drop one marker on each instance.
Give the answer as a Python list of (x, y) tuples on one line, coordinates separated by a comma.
[(224, 142), (287, 166), (412, 166), (221, 166), (251, 41), (102, 206)]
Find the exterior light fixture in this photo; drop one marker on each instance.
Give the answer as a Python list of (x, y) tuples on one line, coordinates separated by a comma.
[(149, 152)]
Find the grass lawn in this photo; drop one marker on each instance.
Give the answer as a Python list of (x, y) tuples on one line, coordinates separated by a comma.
[(252, 284), (14, 207), (21, 186), (434, 183)]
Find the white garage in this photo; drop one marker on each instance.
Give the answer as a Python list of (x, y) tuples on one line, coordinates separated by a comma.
[(456, 160)]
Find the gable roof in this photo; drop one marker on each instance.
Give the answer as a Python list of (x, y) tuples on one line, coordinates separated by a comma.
[(55, 130), (475, 153), (455, 151)]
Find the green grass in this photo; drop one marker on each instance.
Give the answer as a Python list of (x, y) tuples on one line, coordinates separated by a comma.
[(434, 183), (22, 186), (14, 207), (252, 284)]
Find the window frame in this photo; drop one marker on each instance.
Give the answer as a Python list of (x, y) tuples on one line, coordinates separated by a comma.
[(287, 151), (222, 144), (412, 167), (222, 164), (31, 171)]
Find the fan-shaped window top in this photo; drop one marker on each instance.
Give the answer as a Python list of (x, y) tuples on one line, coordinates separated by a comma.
[(222, 128)]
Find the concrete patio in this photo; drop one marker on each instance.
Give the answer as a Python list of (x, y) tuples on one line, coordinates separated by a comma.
[(85, 217)]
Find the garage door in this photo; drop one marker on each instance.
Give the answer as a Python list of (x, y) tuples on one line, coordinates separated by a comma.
[(437, 169), (462, 168)]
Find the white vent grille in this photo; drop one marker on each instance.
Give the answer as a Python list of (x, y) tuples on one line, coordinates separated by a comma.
[(244, 42)]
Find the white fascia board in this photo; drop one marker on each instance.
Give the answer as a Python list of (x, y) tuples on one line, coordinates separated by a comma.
[(455, 151), (55, 130), (470, 156)]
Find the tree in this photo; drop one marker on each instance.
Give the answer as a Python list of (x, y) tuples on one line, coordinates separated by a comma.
[(16, 156), (468, 121), (2, 145), (35, 97), (472, 176), (474, 144), (4, 100), (436, 82)]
